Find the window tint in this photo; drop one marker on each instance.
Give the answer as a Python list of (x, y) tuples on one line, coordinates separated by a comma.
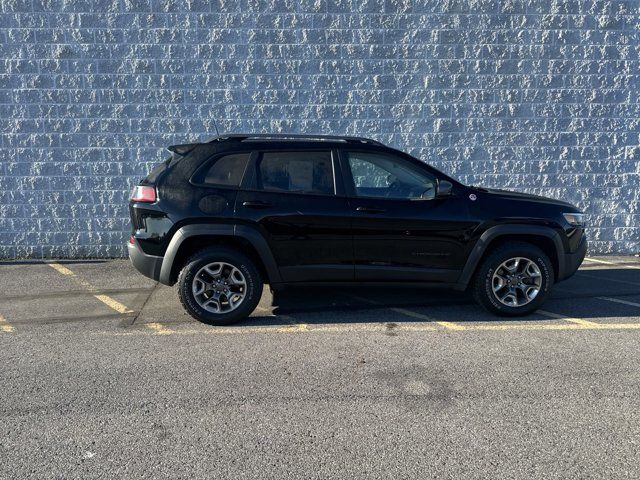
[(308, 172), (227, 170), (379, 175)]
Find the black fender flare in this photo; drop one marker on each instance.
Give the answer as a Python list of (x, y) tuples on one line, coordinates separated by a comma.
[(501, 230), (254, 237)]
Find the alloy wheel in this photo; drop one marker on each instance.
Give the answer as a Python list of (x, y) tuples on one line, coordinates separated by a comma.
[(516, 282), (219, 287)]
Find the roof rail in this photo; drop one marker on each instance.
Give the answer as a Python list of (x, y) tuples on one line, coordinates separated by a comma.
[(292, 136)]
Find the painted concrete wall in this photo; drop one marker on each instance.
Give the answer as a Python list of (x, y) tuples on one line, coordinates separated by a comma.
[(534, 95)]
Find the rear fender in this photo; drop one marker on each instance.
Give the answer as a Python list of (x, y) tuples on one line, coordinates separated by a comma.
[(228, 230)]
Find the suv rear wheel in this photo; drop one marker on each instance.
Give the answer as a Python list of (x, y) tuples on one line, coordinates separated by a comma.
[(514, 279), (219, 286)]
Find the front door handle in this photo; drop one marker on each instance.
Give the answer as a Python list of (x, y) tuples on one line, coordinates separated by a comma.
[(370, 210), (256, 204)]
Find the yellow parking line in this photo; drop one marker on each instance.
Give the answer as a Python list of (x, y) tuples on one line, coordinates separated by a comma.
[(416, 328), (410, 313), (618, 300), (159, 329), (114, 304), (289, 329), (565, 326), (107, 300), (596, 260), (4, 325), (451, 325), (578, 321), (60, 269)]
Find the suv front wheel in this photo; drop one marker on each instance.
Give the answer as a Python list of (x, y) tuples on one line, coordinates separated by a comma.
[(514, 279), (219, 286)]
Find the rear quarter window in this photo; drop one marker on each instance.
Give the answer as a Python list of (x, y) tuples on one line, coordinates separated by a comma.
[(226, 170)]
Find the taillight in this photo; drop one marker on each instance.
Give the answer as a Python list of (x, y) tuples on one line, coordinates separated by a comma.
[(144, 194)]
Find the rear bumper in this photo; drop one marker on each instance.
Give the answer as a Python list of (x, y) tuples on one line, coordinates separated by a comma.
[(148, 265), (572, 261)]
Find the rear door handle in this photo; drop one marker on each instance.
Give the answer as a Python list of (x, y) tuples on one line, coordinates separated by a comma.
[(256, 204), (370, 210)]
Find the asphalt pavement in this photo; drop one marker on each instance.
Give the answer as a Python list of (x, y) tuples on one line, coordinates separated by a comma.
[(103, 375)]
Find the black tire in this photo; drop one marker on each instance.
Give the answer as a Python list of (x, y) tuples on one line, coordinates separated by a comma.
[(220, 254), (482, 284)]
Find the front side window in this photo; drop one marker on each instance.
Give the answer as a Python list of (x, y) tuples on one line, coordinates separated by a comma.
[(386, 176), (227, 170), (302, 172)]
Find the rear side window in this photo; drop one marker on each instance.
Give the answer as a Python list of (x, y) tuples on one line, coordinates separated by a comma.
[(302, 172), (227, 170)]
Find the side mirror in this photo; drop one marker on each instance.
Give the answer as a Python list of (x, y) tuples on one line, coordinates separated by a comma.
[(445, 188)]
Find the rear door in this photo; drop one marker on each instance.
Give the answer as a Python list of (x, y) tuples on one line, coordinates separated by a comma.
[(402, 232), (295, 198)]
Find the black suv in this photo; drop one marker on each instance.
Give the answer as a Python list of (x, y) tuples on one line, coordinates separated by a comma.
[(222, 218)]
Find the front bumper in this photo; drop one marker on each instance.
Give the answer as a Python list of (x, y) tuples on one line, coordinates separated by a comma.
[(572, 261), (148, 265)]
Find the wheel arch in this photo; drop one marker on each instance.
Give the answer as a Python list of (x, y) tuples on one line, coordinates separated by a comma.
[(545, 238), (192, 238)]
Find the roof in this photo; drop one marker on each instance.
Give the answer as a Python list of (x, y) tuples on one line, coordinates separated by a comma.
[(241, 137)]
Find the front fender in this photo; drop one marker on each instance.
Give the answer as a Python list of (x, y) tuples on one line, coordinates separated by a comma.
[(502, 230)]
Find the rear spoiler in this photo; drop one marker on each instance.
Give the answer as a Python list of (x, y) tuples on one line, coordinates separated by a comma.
[(182, 150)]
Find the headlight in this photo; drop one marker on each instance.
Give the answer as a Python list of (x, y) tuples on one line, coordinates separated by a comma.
[(575, 219)]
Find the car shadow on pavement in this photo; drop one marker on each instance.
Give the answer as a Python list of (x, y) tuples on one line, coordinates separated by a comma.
[(384, 305), (309, 299), (593, 293)]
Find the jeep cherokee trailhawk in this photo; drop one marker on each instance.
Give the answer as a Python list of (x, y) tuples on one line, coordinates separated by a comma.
[(223, 217)]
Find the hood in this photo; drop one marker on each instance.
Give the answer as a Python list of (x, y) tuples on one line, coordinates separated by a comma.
[(508, 194)]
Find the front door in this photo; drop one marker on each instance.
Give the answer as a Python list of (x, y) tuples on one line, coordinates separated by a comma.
[(293, 199), (402, 231)]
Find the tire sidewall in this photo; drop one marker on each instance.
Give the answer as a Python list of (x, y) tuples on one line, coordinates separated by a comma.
[(492, 265), (239, 261)]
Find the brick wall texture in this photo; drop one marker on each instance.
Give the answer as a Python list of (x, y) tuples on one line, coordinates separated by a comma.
[(534, 95)]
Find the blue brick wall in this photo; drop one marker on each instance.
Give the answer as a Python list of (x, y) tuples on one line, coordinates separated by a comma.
[(534, 95)]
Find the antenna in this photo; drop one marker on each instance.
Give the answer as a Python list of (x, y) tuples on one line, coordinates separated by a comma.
[(216, 126)]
